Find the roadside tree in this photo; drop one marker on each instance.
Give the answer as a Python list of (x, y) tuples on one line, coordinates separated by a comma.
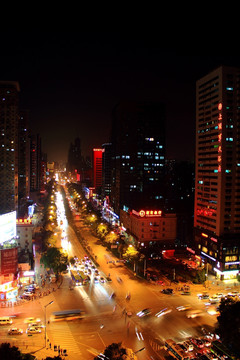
[(54, 259)]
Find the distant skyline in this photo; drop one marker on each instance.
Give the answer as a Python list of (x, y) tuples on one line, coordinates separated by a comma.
[(70, 82)]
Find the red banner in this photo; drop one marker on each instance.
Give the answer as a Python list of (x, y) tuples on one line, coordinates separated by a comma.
[(8, 261)]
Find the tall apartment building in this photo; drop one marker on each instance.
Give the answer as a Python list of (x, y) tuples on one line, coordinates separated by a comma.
[(35, 163), (23, 158), (217, 184), (138, 156), (9, 117), (106, 169)]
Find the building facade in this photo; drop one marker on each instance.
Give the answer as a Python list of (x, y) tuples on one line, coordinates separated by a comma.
[(97, 168), (150, 227), (138, 155), (217, 174), (9, 119)]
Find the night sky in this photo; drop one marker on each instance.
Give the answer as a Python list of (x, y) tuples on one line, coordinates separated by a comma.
[(70, 82)]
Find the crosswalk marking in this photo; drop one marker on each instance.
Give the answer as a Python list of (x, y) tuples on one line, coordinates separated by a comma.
[(62, 336)]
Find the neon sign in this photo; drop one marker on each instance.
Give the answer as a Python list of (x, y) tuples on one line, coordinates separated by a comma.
[(204, 212), (220, 137), (147, 213)]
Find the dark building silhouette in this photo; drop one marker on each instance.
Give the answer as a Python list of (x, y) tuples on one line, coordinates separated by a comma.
[(106, 169), (9, 119), (138, 155), (23, 158), (74, 163), (35, 163)]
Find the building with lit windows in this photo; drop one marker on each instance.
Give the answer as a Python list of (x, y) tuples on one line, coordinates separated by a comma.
[(138, 155), (150, 227), (217, 175), (97, 168), (9, 118)]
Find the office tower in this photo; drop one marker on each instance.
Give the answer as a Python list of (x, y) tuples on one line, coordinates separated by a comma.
[(9, 116), (35, 163), (217, 184), (106, 169), (138, 155), (97, 168), (23, 159), (75, 162)]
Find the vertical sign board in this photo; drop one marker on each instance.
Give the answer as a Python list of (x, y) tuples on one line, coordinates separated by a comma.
[(8, 261), (7, 226)]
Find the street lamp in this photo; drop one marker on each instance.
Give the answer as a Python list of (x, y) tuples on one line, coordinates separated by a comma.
[(45, 307)]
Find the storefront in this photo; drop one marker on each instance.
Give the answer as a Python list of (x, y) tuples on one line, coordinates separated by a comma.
[(8, 290)]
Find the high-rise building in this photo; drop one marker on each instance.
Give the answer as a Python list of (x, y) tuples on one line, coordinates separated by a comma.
[(74, 163), (9, 117), (106, 169), (217, 184), (97, 168), (35, 163), (23, 158), (138, 156)]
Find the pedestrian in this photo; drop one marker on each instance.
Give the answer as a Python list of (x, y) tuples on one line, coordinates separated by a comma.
[(50, 345)]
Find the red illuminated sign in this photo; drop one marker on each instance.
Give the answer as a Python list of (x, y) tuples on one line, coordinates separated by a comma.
[(204, 212)]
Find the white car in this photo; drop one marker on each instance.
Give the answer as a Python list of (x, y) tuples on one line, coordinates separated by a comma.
[(33, 330), (163, 312), (183, 308), (194, 313)]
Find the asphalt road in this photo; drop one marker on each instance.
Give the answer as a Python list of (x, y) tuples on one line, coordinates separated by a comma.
[(84, 338)]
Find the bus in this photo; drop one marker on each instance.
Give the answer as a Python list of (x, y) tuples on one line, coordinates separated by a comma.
[(221, 350), (66, 315), (76, 278), (175, 350), (85, 278)]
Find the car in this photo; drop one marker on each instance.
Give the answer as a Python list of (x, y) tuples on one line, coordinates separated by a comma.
[(206, 342), (144, 312), (214, 299), (27, 293), (15, 331), (219, 295), (31, 320), (36, 325), (203, 296), (96, 280), (183, 308), (194, 313), (197, 342), (167, 291), (163, 312), (102, 280), (188, 345), (33, 330)]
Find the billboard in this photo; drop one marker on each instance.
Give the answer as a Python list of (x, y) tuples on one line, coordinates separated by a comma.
[(7, 226), (8, 261)]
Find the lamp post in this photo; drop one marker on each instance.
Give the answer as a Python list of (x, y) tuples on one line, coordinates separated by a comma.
[(45, 307)]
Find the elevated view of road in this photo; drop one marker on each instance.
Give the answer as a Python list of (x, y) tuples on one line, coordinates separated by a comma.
[(115, 305)]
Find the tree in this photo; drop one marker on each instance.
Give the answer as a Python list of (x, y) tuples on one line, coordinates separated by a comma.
[(54, 259), (131, 253), (111, 238), (8, 352), (229, 324), (102, 230), (115, 351)]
